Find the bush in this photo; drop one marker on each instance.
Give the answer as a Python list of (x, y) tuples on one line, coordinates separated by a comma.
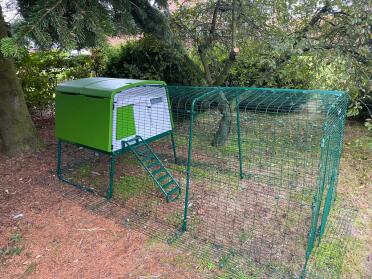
[(148, 58), (40, 72), (258, 65)]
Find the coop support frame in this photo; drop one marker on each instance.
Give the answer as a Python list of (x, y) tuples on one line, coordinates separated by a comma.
[(112, 163)]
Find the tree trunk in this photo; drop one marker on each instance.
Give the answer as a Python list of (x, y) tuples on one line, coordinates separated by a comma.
[(226, 109), (224, 126), (17, 132)]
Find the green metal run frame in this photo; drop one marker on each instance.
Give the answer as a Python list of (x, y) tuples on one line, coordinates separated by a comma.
[(113, 156), (325, 182)]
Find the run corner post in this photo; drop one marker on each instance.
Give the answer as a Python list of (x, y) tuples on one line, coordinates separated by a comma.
[(188, 169), (239, 137)]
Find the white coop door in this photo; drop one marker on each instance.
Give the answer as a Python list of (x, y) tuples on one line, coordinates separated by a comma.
[(151, 112), (142, 117), (159, 115)]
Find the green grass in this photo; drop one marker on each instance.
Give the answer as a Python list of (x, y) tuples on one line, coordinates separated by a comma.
[(14, 251), (329, 257), (174, 218), (132, 186), (344, 256), (31, 268), (13, 248), (16, 238)]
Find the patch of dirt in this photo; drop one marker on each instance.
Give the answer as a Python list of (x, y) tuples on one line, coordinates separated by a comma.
[(58, 237)]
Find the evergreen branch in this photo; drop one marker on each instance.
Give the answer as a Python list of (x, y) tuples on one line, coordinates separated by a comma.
[(48, 11)]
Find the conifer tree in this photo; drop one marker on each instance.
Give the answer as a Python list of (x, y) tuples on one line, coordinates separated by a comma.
[(63, 24)]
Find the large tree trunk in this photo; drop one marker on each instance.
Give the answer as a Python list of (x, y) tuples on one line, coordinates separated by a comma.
[(224, 125), (17, 132)]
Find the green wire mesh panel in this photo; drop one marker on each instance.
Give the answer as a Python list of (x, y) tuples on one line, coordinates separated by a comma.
[(263, 166), (84, 168)]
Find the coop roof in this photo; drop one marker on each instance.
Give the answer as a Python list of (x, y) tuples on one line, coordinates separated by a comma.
[(102, 87)]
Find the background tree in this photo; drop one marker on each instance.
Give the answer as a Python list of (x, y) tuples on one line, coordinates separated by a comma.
[(62, 24), (17, 132), (293, 39), (297, 44)]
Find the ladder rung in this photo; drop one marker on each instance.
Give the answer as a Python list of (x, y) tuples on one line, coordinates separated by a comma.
[(174, 190), (155, 172), (146, 159), (141, 156), (162, 178), (154, 164), (143, 151), (139, 144), (166, 185)]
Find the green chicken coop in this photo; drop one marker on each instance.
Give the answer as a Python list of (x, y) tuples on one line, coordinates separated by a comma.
[(114, 116), (258, 167)]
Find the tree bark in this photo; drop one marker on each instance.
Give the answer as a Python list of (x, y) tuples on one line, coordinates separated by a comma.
[(224, 126), (17, 131)]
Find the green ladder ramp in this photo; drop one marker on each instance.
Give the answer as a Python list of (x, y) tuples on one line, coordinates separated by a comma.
[(155, 168)]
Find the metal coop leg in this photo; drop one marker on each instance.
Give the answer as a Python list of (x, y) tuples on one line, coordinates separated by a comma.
[(112, 175), (174, 147)]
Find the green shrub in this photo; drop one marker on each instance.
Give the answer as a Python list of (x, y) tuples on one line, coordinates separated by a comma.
[(148, 58), (40, 72), (258, 65)]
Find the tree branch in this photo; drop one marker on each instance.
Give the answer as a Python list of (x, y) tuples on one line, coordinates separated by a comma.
[(234, 50), (203, 46), (48, 11), (314, 20), (214, 18), (204, 61)]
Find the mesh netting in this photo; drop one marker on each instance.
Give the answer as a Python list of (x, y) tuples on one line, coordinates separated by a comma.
[(258, 170)]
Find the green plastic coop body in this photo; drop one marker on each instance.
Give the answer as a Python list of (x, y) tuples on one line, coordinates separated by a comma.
[(102, 112)]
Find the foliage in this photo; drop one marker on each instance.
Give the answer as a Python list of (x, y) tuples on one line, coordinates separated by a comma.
[(336, 71), (311, 44), (213, 28), (257, 66), (149, 58), (86, 23), (282, 43), (10, 48), (40, 72)]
